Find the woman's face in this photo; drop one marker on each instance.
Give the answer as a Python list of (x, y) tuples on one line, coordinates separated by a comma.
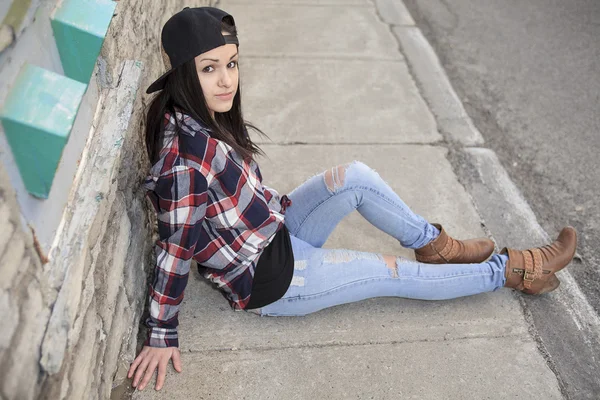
[(218, 73)]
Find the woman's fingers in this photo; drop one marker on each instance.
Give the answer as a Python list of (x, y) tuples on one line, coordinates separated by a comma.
[(162, 366), (148, 374), (135, 364), (162, 373), (176, 359), (148, 360), (140, 371)]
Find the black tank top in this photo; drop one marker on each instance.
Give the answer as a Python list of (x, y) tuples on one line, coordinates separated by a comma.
[(274, 271)]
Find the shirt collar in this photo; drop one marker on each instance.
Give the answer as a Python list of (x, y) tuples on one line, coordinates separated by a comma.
[(187, 124)]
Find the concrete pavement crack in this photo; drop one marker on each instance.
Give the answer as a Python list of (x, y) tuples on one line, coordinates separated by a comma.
[(542, 347), (371, 343)]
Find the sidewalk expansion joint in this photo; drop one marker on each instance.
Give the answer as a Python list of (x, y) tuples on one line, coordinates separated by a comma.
[(425, 67), (517, 336)]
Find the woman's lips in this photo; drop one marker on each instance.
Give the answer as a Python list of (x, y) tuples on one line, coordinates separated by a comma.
[(226, 96)]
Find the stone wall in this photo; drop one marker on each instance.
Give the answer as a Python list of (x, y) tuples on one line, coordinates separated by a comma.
[(24, 304), (70, 325)]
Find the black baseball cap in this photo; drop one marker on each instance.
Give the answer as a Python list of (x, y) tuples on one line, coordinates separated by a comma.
[(190, 32)]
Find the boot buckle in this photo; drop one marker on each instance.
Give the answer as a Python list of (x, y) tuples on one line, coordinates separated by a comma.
[(529, 276)]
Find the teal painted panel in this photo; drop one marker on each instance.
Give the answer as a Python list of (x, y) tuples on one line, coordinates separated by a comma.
[(37, 118), (79, 28)]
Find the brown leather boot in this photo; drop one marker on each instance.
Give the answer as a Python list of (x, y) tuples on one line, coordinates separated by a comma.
[(532, 271), (447, 250)]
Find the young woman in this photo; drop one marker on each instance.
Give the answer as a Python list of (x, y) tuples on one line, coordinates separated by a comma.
[(264, 250)]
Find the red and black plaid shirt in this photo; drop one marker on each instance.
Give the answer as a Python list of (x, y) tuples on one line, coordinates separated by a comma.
[(211, 207)]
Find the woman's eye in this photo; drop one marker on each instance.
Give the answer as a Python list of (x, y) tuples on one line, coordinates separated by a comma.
[(207, 69), (232, 64)]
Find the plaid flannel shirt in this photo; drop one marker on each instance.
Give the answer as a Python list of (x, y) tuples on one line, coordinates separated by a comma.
[(212, 208)]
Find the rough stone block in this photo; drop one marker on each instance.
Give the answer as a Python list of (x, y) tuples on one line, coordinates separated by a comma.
[(127, 353), (79, 29), (121, 232), (100, 221), (134, 279), (64, 310), (110, 253), (10, 319), (38, 115), (121, 323), (24, 356), (11, 261), (87, 294), (83, 360), (7, 230)]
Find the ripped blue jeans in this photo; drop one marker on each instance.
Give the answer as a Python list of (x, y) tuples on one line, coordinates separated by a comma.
[(328, 277)]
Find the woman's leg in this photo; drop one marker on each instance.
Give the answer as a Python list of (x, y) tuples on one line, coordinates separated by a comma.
[(321, 202), (328, 277)]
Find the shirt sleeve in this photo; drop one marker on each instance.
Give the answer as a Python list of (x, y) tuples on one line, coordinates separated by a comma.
[(271, 194), (181, 195)]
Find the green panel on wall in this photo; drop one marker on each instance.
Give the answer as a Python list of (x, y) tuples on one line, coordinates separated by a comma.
[(79, 28), (37, 118)]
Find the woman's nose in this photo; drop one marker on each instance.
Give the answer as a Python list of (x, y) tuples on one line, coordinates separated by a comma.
[(226, 78)]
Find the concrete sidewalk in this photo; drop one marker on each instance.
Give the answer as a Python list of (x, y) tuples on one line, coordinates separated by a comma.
[(325, 80)]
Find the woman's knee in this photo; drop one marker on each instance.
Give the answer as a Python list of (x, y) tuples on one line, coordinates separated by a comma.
[(335, 177)]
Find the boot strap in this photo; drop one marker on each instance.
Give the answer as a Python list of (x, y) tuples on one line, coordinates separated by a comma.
[(450, 250), (533, 267)]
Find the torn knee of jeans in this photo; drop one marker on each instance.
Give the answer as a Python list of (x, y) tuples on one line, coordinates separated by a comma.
[(337, 256), (335, 177), (391, 263)]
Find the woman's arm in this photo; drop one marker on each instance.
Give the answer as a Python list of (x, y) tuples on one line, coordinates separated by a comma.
[(181, 196), (269, 193)]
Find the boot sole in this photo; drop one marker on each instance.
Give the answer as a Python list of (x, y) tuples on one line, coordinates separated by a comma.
[(552, 284)]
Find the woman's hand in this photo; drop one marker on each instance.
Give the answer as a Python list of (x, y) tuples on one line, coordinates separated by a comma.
[(147, 361)]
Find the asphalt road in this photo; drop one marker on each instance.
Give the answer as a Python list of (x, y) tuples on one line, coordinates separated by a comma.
[(528, 73)]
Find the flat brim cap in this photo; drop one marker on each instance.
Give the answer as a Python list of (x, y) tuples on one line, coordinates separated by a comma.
[(189, 33)]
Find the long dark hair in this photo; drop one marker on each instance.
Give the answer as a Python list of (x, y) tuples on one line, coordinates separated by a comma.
[(183, 93)]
